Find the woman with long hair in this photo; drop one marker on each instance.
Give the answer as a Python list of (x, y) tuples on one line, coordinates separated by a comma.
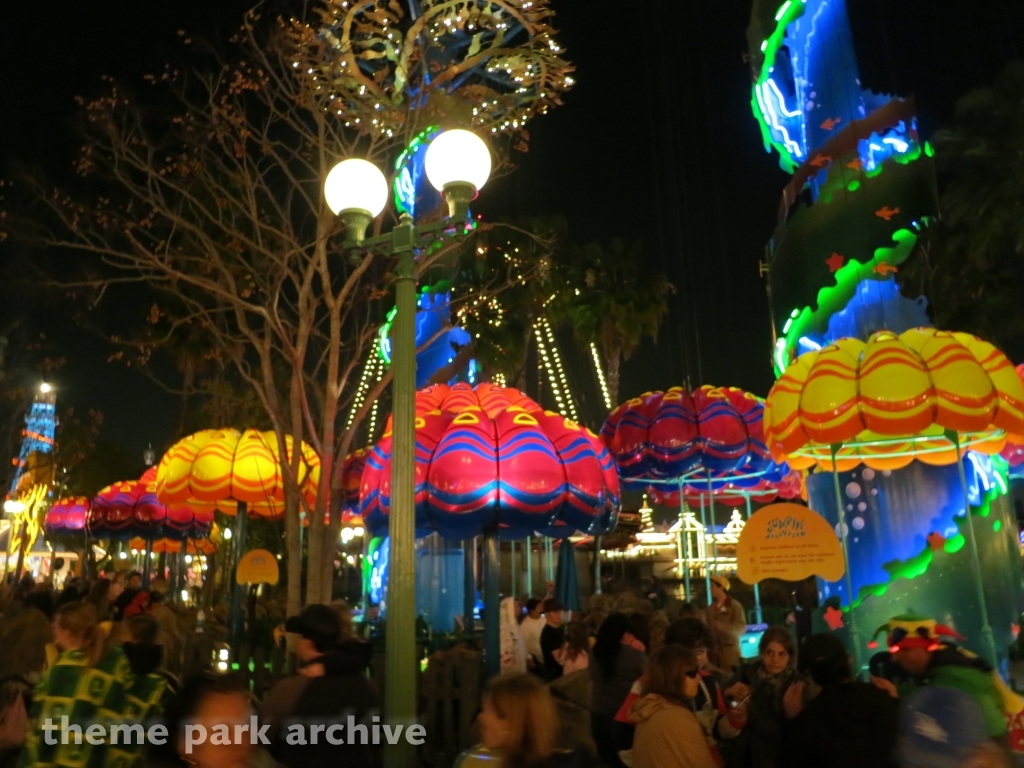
[(761, 698), (574, 654), (519, 726), (668, 734), (615, 665)]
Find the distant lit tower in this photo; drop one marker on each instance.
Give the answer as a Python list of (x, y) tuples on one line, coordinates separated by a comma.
[(40, 425)]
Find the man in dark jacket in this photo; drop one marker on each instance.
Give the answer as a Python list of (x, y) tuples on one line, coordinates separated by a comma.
[(322, 716), (849, 724), (551, 639)]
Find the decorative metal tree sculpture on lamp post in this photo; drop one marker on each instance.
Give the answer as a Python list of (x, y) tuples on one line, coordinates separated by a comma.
[(458, 164)]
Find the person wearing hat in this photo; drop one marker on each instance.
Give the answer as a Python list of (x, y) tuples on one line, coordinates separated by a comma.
[(330, 686), (916, 646), (727, 620), (848, 723), (552, 638)]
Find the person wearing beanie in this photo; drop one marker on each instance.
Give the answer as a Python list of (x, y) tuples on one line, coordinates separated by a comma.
[(848, 724)]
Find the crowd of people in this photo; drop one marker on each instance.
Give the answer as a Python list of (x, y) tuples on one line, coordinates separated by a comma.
[(638, 690), (614, 688)]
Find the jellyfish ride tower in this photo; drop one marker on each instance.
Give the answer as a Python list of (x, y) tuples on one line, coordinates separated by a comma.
[(862, 191)]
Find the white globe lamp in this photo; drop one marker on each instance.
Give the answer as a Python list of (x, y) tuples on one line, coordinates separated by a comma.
[(356, 191), (458, 164)]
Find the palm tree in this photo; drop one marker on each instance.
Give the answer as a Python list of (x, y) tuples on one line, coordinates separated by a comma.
[(971, 265), (610, 299)]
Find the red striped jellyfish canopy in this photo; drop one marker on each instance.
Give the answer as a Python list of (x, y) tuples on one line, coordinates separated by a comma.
[(713, 433), (489, 455)]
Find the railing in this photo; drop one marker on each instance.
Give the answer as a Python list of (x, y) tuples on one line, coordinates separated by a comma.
[(449, 690)]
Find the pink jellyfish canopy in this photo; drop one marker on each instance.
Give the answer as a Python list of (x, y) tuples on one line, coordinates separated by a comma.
[(131, 508), (490, 456), (67, 516)]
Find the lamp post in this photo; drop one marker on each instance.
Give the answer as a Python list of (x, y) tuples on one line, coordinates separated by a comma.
[(458, 164)]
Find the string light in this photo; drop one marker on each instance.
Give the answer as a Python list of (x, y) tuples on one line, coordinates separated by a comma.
[(559, 368), (360, 398), (552, 365), (378, 375), (600, 376)]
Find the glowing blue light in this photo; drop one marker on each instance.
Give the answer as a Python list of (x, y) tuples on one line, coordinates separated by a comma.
[(979, 471), (901, 146), (877, 148), (40, 426), (810, 343), (782, 100), (764, 99)]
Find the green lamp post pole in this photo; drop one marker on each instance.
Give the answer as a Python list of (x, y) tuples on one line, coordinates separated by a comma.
[(458, 164), (400, 635)]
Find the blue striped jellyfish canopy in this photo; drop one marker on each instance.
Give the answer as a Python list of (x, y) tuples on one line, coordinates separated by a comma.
[(489, 456)]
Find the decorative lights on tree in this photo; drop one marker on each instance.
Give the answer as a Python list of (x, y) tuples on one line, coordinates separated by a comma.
[(380, 66)]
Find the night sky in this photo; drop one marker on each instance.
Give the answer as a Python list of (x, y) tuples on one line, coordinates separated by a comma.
[(656, 142)]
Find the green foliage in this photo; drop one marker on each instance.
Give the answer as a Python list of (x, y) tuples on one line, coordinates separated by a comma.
[(971, 266), (609, 298), (519, 256)]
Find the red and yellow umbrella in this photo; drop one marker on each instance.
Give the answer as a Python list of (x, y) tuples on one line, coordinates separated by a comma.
[(894, 399)]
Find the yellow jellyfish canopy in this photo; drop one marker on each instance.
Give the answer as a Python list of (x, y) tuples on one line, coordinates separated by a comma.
[(218, 468), (893, 399)]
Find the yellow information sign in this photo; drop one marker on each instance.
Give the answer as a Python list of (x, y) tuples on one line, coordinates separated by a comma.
[(257, 567), (790, 542)]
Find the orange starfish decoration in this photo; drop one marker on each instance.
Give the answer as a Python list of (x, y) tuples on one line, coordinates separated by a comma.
[(834, 618)]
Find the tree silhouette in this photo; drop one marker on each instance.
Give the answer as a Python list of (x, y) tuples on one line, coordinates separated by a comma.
[(610, 299), (971, 265)]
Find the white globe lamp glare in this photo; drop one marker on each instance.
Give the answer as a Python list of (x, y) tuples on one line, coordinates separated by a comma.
[(458, 164), (357, 191)]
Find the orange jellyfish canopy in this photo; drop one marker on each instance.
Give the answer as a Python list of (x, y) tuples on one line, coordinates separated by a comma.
[(173, 546), (218, 468), (892, 399)]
